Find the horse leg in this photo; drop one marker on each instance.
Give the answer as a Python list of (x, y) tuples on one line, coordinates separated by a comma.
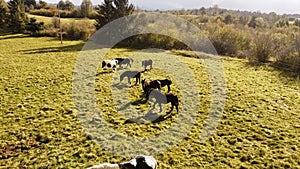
[(160, 108), (153, 107), (172, 107), (129, 81)]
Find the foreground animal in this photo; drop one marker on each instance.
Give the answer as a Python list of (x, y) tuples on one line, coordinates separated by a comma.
[(139, 162), (145, 162), (124, 61), (110, 64), (162, 98), (146, 63), (154, 84), (131, 74)]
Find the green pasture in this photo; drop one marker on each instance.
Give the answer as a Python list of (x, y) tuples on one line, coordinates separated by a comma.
[(49, 20), (41, 128)]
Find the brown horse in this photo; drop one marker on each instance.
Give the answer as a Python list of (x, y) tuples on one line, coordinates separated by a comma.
[(162, 98), (165, 82)]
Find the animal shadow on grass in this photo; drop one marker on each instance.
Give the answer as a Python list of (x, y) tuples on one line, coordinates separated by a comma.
[(104, 72), (119, 86), (150, 117), (135, 103)]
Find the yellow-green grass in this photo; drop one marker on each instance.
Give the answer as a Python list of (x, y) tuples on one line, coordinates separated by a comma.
[(39, 127), (49, 20)]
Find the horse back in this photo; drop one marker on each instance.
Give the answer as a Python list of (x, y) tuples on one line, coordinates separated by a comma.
[(172, 98)]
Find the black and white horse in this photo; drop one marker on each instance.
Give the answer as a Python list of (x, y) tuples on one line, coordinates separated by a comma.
[(110, 64), (162, 98), (146, 63), (124, 61), (154, 84), (131, 74), (139, 162)]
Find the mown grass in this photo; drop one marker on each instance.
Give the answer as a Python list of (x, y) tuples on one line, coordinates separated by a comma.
[(39, 127), (48, 20)]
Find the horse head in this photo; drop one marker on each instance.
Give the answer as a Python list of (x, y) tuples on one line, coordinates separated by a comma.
[(103, 64)]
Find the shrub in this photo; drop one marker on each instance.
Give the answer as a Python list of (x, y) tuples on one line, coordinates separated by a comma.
[(228, 40), (77, 30), (34, 27), (42, 12), (261, 47), (286, 47)]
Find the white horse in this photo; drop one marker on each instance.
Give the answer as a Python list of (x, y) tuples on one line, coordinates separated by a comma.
[(110, 63), (139, 162)]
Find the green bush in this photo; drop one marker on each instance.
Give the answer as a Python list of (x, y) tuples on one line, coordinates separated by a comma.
[(63, 13), (228, 40), (77, 30), (286, 49), (261, 47), (42, 12)]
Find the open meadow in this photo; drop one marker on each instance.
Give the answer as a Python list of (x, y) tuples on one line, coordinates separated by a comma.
[(39, 125)]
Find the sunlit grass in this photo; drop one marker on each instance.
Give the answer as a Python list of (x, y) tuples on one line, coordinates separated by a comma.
[(39, 127)]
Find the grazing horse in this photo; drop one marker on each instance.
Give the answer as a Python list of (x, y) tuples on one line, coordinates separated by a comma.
[(124, 61), (162, 98), (131, 74), (110, 64), (154, 84), (139, 162), (146, 63), (166, 82)]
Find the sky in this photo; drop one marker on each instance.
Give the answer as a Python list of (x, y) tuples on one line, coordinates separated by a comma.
[(278, 6)]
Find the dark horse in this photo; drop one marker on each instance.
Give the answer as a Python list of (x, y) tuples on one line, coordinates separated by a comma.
[(162, 98), (146, 63), (154, 84), (124, 61), (131, 74), (165, 82)]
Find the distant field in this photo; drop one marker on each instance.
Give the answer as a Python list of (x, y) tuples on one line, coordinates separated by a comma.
[(39, 127), (49, 20)]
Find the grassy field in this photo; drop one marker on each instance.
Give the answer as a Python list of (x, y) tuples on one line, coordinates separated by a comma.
[(48, 20), (39, 126)]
